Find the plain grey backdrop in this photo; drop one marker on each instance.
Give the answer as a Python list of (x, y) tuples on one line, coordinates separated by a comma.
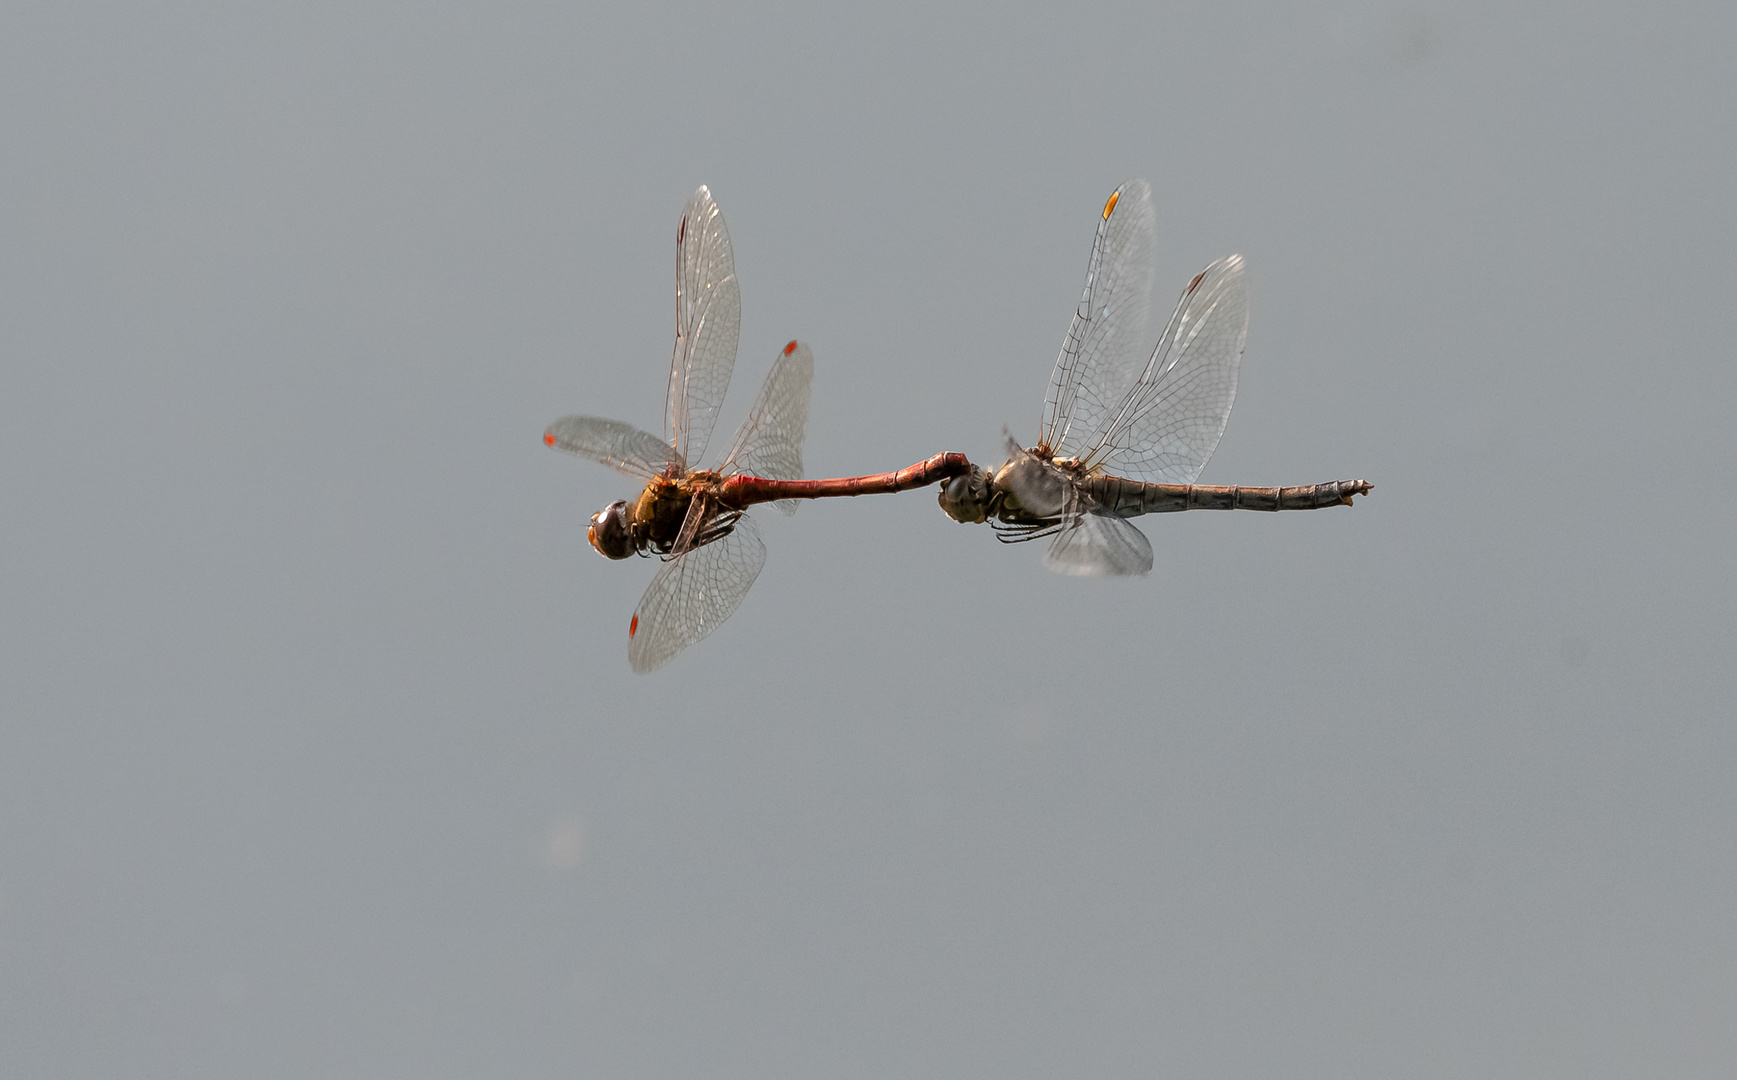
[(320, 755)]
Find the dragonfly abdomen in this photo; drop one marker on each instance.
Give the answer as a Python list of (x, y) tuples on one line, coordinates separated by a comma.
[(1131, 498), (743, 491)]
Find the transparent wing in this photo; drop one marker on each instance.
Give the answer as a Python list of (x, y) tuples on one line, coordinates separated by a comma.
[(693, 594), (1170, 421), (708, 318), (1095, 543), (1107, 338), (620, 446), (770, 442)]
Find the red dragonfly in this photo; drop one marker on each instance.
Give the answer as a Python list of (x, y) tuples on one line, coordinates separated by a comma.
[(696, 519), (1118, 439)]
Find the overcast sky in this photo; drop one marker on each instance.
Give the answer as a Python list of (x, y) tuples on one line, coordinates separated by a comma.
[(320, 755)]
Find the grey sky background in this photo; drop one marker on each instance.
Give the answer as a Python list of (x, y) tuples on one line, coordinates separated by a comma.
[(320, 755)]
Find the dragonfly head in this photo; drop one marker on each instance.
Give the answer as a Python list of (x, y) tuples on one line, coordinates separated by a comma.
[(611, 533), (968, 498)]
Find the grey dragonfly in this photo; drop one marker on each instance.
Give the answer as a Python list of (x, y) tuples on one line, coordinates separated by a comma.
[(1117, 439)]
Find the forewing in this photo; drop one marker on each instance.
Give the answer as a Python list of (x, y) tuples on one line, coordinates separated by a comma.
[(770, 442), (708, 318), (1107, 338), (692, 595), (1091, 543), (620, 446), (1170, 421)]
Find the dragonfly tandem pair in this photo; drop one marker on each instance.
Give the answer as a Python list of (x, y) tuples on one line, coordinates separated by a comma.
[(1118, 438)]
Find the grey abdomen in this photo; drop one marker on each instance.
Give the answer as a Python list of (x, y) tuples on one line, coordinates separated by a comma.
[(1131, 498)]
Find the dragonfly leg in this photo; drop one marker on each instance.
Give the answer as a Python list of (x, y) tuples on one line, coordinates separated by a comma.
[(1019, 532), (714, 530), (718, 528)]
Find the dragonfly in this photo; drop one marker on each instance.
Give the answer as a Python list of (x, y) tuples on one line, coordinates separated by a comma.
[(696, 520), (1118, 440)]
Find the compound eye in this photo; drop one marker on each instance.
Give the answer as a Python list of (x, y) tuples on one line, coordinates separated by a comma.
[(610, 532)]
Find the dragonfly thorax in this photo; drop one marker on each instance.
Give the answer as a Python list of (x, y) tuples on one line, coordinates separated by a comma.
[(656, 517), (1030, 484)]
